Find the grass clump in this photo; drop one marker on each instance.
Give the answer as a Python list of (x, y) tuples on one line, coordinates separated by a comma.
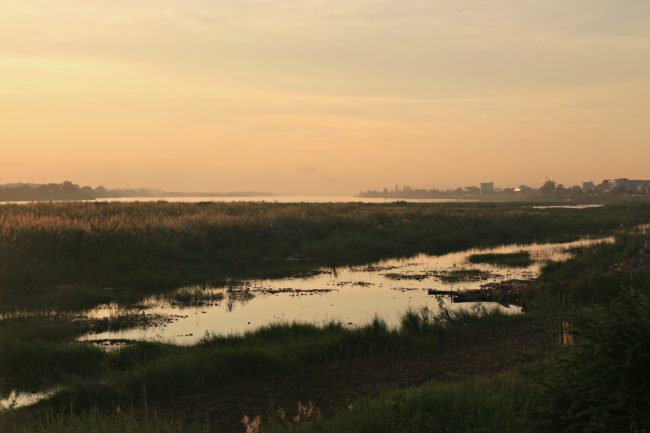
[(519, 259), (38, 354), (589, 277), (463, 275)]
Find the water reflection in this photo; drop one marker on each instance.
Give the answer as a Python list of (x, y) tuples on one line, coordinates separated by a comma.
[(351, 295), (16, 400), (569, 206)]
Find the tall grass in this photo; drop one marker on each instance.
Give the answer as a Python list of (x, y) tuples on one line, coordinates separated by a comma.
[(602, 385), (45, 247), (588, 277)]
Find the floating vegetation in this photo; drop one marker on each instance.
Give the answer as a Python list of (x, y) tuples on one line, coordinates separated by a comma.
[(196, 296), (416, 277), (376, 268), (355, 284), (292, 291), (307, 274), (464, 275)]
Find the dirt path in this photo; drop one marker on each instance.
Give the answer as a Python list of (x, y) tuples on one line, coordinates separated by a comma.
[(334, 386)]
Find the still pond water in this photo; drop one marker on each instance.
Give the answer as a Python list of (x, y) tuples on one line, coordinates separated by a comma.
[(350, 295)]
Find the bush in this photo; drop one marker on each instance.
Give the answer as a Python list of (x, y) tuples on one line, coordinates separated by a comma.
[(602, 385)]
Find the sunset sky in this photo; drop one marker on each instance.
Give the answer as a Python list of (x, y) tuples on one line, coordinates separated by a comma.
[(323, 96)]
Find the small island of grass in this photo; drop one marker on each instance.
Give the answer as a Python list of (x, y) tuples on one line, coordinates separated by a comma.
[(519, 259)]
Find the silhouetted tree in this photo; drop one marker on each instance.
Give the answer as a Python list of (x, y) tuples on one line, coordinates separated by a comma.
[(548, 187)]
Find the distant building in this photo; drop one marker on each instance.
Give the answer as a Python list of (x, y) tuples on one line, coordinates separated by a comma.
[(487, 187), (588, 187), (632, 186)]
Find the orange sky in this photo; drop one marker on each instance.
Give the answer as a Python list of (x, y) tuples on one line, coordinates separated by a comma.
[(323, 96)]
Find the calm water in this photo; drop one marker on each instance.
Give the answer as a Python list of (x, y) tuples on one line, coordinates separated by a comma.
[(351, 295), (268, 199), (567, 206), (284, 199)]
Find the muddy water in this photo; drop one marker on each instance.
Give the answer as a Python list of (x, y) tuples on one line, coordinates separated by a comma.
[(351, 295)]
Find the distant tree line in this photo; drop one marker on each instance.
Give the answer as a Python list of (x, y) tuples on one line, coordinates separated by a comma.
[(71, 191), (51, 191)]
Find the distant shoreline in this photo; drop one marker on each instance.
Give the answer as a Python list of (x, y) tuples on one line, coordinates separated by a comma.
[(68, 191)]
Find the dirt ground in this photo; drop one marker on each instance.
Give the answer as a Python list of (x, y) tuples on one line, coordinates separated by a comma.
[(332, 387)]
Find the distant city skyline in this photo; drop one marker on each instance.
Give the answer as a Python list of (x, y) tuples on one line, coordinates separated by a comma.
[(588, 186)]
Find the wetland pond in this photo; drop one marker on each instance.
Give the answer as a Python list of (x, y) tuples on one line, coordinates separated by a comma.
[(350, 295)]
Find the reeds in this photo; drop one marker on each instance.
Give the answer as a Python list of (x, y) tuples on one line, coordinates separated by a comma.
[(65, 254)]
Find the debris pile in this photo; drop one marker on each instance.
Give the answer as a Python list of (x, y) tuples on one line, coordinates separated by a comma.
[(510, 292)]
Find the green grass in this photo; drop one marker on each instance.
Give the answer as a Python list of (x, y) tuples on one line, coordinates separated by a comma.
[(276, 349), (520, 259), (482, 405), (602, 384), (39, 353), (588, 279), (504, 404), (92, 377)]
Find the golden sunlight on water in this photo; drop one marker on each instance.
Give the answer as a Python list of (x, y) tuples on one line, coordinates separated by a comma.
[(350, 295)]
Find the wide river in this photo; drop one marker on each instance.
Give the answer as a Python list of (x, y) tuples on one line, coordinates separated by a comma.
[(286, 199)]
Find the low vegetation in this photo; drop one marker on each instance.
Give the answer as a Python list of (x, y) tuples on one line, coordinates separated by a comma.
[(497, 405), (602, 384), (519, 259), (65, 255), (93, 376), (597, 385)]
